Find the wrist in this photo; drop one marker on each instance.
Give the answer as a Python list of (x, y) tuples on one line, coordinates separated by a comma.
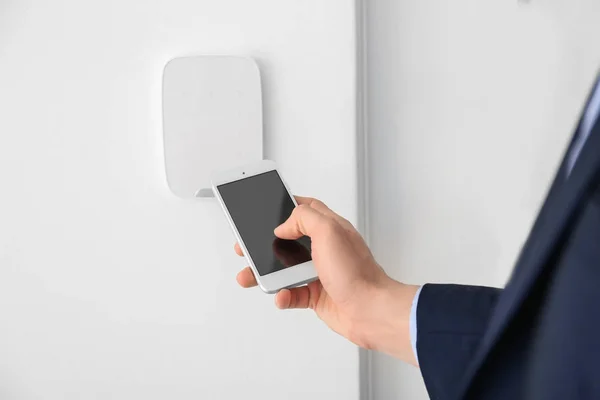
[(387, 328)]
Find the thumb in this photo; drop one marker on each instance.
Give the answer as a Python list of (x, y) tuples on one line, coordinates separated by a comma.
[(304, 221)]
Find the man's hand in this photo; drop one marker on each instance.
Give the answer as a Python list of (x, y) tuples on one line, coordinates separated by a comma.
[(353, 295)]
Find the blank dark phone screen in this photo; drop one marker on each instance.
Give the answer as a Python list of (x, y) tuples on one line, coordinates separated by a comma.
[(258, 205)]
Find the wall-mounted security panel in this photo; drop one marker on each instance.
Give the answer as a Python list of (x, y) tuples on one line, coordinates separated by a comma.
[(212, 119)]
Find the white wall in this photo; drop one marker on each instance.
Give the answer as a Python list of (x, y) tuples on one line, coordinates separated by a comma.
[(110, 287), (470, 106)]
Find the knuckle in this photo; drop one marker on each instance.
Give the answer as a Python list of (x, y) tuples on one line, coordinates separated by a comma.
[(318, 202), (345, 221)]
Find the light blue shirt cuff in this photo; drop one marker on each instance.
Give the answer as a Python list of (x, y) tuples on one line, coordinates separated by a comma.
[(413, 323)]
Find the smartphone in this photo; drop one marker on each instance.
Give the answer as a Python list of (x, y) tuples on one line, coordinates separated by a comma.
[(256, 200)]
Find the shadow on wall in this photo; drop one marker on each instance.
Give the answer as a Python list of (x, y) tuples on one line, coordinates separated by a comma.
[(269, 104)]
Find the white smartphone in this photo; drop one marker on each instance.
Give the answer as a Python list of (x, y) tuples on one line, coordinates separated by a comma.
[(255, 201)]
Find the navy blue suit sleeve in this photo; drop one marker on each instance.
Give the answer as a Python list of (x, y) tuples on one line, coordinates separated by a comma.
[(451, 320)]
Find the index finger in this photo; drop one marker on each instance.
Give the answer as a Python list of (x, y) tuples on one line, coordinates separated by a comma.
[(303, 200), (304, 221), (323, 209)]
